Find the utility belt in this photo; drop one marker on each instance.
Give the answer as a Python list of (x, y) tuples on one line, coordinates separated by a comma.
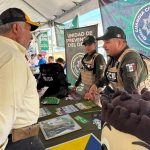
[(24, 133)]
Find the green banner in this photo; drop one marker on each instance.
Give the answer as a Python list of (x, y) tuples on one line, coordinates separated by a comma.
[(59, 30), (75, 50), (43, 41), (133, 16)]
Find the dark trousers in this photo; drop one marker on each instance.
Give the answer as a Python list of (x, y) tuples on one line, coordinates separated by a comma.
[(32, 143)]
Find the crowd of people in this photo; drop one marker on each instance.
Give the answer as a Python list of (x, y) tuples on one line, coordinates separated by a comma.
[(36, 60), (19, 109)]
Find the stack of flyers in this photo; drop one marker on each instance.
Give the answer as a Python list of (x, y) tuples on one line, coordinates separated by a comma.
[(44, 112), (50, 100), (66, 110), (86, 105), (73, 96), (42, 91), (69, 97), (81, 119), (96, 118)]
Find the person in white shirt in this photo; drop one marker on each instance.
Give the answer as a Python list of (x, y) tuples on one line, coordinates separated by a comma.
[(19, 103), (34, 61)]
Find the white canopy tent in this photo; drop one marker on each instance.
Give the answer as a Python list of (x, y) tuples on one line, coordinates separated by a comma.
[(46, 11)]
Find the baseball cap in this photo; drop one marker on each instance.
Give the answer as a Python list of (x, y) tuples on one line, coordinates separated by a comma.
[(89, 40), (112, 32), (16, 14)]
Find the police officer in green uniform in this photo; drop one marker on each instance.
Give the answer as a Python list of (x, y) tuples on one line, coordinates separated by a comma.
[(126, 69), (92, 65)]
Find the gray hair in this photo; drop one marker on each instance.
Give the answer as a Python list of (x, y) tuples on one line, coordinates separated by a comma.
[(7, 27)]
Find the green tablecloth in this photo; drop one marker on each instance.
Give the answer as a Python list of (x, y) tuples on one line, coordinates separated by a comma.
[(86, 128)]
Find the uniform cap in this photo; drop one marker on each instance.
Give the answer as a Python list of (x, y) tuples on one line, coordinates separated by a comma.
[(113, 32), (16, 14), (89, 40)]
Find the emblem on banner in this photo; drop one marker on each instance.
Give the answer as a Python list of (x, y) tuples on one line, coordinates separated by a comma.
[(75, 64), (141, 26)]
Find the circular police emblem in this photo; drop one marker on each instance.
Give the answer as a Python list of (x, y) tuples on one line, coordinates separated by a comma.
[(141, 26), (75, 63)]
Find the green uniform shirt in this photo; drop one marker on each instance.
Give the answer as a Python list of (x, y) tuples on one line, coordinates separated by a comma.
[(132, 71)]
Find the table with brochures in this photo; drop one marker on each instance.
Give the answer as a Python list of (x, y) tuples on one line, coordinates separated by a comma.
[(82, 120)]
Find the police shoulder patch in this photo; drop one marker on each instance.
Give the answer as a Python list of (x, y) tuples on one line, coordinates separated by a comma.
[(131, 67)]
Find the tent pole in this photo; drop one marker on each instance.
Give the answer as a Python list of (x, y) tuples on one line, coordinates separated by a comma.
[(52, 41)]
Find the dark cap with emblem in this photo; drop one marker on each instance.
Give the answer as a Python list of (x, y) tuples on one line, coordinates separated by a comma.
[(113, 32), (15, 15), (89, 40)]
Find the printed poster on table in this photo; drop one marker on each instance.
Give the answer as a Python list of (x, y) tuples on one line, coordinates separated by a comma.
[(58, 126)]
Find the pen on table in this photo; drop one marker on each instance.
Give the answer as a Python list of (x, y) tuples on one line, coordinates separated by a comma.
[(91, 111)]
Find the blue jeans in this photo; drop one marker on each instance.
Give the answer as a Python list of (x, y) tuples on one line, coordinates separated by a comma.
[(32, 143)]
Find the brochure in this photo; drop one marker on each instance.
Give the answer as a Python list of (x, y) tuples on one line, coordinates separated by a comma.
[(44, 112), (58, 126), (66, 110), (50, 100), (86, 105), (42, 91)]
